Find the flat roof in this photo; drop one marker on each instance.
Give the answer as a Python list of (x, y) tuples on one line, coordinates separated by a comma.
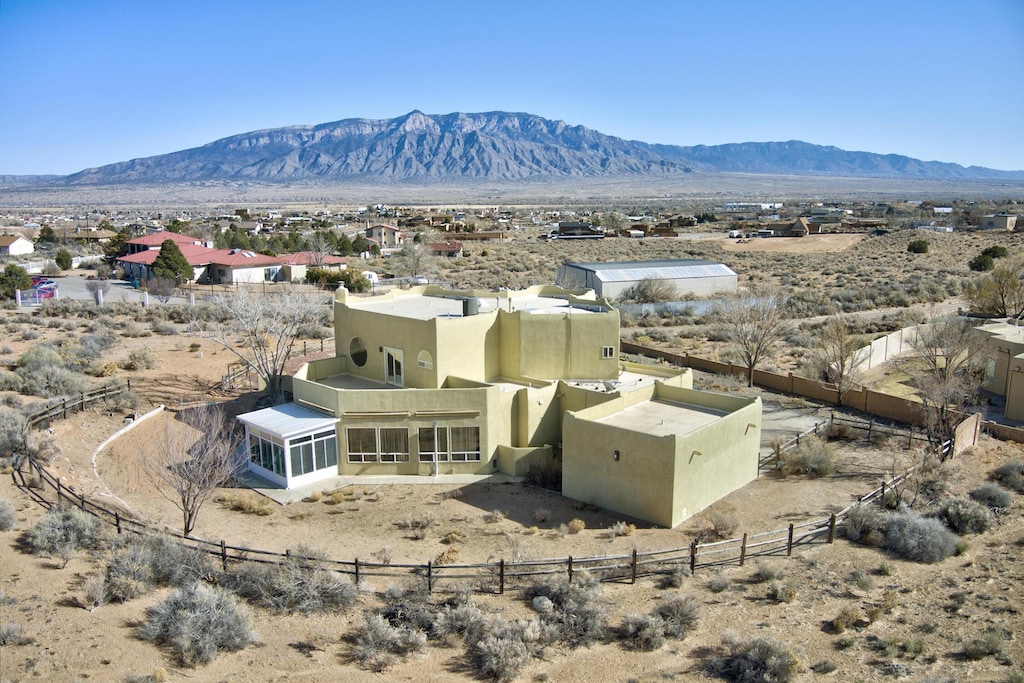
[(288, 420), (664, 418), (667, 269), (429, 306)]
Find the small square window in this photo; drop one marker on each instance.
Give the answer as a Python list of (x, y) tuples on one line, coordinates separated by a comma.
[(607, 352)]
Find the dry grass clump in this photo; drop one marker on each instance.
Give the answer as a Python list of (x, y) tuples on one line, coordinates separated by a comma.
[(847, 617), (376, 644), (447, 556), (8, 518), (782, 591), (724, 521), (453, 537), (541, 515), (576, 525), (621, 528), (249, 503)]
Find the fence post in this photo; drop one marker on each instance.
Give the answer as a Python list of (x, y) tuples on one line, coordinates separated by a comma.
[(743, 549), (64, 406), (82, 496), (570, 569), (632, 569), (321, 345), (224, 555), (58, 489), (778, 453), (693, 556), (832, 528), (117, 522), (304, 351), (789, 545), (871, 426), (430, 576), (357, 571), (501, 577)]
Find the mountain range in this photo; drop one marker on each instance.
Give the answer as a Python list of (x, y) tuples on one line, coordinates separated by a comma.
[(493, 146)]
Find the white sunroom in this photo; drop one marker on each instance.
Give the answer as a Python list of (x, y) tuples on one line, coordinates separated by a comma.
[(291, 446)]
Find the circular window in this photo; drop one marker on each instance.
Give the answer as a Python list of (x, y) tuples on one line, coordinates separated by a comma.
[(357, 352)]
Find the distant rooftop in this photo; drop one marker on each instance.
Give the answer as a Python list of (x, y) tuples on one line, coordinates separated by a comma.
[(669, 269)]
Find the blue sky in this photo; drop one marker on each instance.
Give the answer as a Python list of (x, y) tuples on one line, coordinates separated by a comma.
[(92, 82)]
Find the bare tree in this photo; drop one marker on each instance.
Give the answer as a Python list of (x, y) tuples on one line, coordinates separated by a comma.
[(416, 258), (268, 325), (952, 353), (836, 354), (320, 247), (193, 458), (162, 288), (999, 294), (751, 326)]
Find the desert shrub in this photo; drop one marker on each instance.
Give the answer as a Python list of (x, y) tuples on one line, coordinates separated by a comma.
[(541, 515), (576, 525), (575, 609), (992, 495), (134, 330), (62, 532), (963, 515), (11, 381), (813, 456), (164, 328), (249, 503), (782, 591), (865, 524), (1011, 475), (718, 583), (847, 617), (995, 251), (10, 634), (129, 573), (139, 359), (765, 572), (621, 528), (917, 538), (197, 622), (679, 613), (7, 516), (981, 263), (918, 246), (990, 643), (376, 644), (299, 584), (643, 632), (724, 521), (409, 606), (501, 658), (462, 622), (94, 591), (761, 660), (675, 577), (547, 475)]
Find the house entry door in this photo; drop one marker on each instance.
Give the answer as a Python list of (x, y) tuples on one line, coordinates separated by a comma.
[(393, 367)]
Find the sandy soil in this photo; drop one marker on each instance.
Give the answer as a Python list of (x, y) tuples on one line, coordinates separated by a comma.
[(940, 606), (810, 244)]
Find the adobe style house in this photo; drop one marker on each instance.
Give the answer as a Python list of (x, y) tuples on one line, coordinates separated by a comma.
[(1004, 372), (998, 221), (432, 381)]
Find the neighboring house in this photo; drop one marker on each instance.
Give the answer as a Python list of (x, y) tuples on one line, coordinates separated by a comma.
[(155, 239), (434, 381), (612, 278), (139, 265), (231, 266), (450, 249), (387, 236), (15, 245), (998, 221), (92, 235), (294, 266), (1004, 373)]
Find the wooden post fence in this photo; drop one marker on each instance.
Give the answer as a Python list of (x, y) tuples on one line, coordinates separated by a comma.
[(224, 555), (789, 544), (632, 569), (570, 569), (832, 528), (693, 557), (430, 576), (357, 570), (743, 549), (501, 577)]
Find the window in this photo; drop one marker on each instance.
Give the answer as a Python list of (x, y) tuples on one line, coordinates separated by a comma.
[(465, 443), (393, 359), (357, 352), (362, 444), (266, 451), (424, 360), (427, 447), (607, 352), (394, 445)]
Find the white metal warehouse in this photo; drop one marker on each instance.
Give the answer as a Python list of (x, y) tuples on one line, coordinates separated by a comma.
[(611, 278)]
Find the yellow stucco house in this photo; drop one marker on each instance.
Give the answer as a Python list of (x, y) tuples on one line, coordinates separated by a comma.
[(1004, 371), (432, 381)]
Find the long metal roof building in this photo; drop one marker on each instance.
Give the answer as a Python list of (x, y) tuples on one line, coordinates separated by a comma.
[(611, 278)]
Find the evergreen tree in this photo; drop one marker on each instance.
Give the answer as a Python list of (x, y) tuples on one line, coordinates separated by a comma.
[(117, 246), (13, 277), (63, 259), (171, 263), (46, 234)]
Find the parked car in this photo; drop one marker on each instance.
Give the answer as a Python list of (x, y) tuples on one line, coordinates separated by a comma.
[(419, 280), (39, 280), (44, 290)]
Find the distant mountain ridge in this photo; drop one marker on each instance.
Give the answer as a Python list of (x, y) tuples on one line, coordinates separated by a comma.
[(491, 146)]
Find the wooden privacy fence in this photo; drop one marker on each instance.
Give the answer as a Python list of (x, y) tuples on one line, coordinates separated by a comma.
[(59, 409), (488, 576)]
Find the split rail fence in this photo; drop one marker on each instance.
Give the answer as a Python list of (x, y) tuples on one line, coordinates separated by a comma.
[(495, 577), (59, 409)]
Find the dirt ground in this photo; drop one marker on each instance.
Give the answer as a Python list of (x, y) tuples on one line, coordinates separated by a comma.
[(940, 607), (810, 244)]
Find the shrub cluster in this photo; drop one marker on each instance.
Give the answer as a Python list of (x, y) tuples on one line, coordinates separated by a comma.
[(573, 607), (302, 583), (918, 538), (1011, 475), (760, 660), (197, 622), (62, 532), (992, 495), (142, 563), (963, 515), (814, 457), (7, 516)]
